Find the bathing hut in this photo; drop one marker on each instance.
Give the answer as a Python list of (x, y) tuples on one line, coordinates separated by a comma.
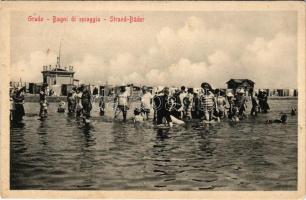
[(236, 84)]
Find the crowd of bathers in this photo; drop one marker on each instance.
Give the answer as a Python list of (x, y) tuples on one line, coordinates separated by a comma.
[(163, 107)]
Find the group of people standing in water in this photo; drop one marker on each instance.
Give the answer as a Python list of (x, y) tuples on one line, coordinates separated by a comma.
[(209, 105)]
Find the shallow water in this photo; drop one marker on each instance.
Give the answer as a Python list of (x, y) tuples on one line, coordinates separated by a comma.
[(111, 155)]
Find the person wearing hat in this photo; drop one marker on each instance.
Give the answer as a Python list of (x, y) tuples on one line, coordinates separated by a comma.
[(208, 101), (162, 107), (43, 112), (146, 102), (241, 102), (206, 86)]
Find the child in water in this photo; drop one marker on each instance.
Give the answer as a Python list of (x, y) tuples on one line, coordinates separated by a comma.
[(61, 107), (137, 116), (282, 120)]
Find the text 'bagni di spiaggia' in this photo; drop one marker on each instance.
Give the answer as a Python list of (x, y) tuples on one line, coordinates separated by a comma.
[(82, 19)]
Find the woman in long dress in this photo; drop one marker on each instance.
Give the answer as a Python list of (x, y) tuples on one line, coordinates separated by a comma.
[(18, 111)]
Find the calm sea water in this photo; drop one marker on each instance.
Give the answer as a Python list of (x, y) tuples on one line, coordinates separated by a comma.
[(112, 155)]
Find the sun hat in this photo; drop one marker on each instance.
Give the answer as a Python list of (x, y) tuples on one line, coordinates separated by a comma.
[(229, 94), (206, 85), (241, 91), (160, 88)]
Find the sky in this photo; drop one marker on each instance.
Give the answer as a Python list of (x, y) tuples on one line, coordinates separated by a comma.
[(169, 48)]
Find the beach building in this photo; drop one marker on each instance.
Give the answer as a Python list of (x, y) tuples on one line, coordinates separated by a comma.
[(57, 76), (291, 92), (60, 79), (236, 84), (135, 91)]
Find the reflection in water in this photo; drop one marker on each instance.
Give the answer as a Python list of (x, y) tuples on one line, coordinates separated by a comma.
[(87, 159), (119, 132), (17, 125), (162, 166), (110, 155), (162, 134)]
